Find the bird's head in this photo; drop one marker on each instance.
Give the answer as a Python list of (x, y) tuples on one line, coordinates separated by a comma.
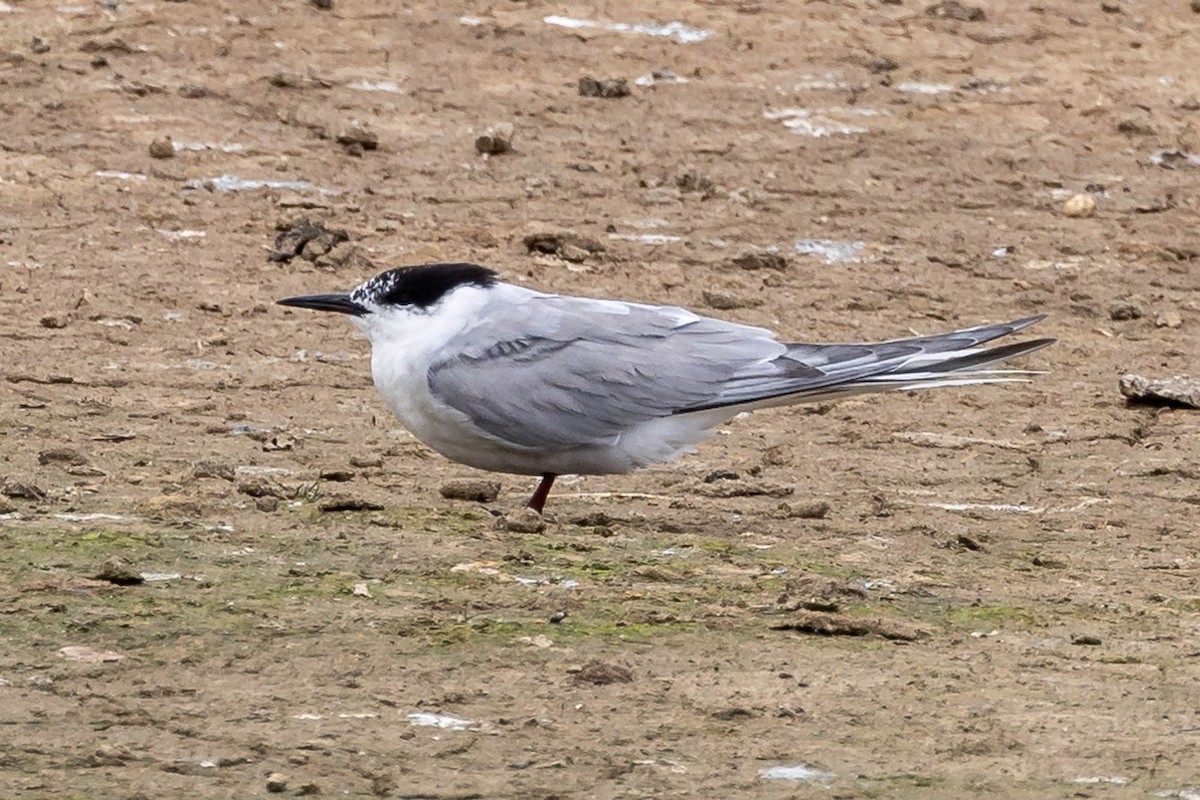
[(397, 297)]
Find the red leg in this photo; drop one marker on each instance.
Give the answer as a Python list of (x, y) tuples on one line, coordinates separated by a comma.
[(538, 501)]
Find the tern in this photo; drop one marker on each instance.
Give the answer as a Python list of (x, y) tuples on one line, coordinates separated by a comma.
[(508, 379)]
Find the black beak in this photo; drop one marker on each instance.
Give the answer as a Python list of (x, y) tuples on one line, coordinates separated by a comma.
[(340, 303)]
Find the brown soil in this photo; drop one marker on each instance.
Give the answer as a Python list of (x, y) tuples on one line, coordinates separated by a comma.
[(1001, 601)]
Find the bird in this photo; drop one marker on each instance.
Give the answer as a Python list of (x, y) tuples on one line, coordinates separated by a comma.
[(508, 379)]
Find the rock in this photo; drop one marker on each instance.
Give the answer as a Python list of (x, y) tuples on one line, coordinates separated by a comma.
[(721, 475), (727, 301), (337, 475), (1179, 392), (1080, 205), (267, 504), (1085, 639), (6, 505), (55, 321), (1123, 310), (495, 140), (324, 5), (1169, 318), (602, 673), (277, 782), (38, 46), (952, 9), (366, 462), (63, 456), (760, 259), (474, 491), (565, 244), (358, 133), (117, 571), (607, 87), (524, 521), (162, 147)]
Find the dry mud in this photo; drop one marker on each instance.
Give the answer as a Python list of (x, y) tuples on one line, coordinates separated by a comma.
[(1001, 599)]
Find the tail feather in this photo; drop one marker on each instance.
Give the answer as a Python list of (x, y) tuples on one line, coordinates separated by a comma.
[(818, 372)]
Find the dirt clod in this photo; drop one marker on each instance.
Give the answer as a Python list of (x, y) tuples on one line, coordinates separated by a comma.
[(825, 624), (811, 509), (952, 9), (1124, 310), (63, 456), (347, 502), (495, 140), (307, 240), (474, 491), (116, 570), (213, 469), (722, 300), (566, 244), (524, 520), (605, 87), (357, 134), (760, 259), (162, 147), (603, 673), (20, 490)]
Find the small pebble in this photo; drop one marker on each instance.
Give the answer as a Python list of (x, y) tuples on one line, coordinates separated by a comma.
[(162, 147), (54, 321), (276, 782), (1081, 205), (1085, 639), (366, 462)]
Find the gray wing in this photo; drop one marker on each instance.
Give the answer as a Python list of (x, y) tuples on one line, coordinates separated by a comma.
[(562, 372)]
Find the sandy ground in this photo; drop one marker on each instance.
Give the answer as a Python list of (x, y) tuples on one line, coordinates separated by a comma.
[(1000, 600)]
